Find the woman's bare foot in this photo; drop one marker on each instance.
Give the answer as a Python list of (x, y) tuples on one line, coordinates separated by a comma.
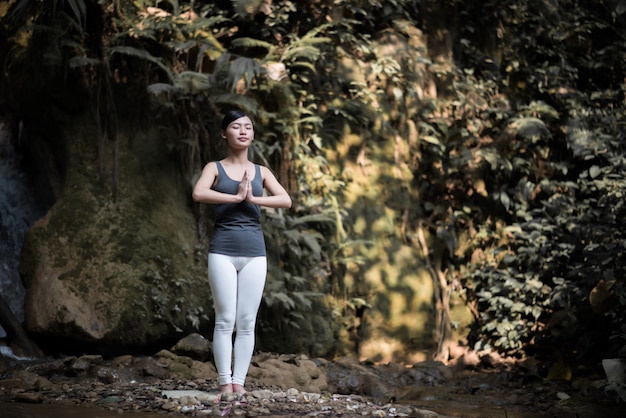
[(227, 388), (238, 389)]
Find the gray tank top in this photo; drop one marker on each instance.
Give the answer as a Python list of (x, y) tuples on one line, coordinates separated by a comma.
[(237, 228)]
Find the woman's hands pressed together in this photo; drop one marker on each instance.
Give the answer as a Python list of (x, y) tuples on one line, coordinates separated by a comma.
[(244, 192)]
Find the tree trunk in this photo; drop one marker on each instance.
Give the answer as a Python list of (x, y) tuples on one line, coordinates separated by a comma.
[(443, 329)]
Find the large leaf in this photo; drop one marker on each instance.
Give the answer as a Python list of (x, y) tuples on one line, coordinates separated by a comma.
[(142, 54)]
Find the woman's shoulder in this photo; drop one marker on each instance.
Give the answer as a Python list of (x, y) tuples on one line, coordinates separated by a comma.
[(215, 164), (211, 166), (263, 169)]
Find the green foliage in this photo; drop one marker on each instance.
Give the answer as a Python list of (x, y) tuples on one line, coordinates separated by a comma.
[(517, 162), (287, 142), (532, 187)]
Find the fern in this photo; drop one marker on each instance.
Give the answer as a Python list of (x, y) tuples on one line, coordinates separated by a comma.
[(246, 103), (191, 82), (252, 43), (143, 54), (244, 68), (160, 88), (300, 52)]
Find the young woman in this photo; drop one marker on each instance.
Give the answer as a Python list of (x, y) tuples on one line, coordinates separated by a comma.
[(237, 261)]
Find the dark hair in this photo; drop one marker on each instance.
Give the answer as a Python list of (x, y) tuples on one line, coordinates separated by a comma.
[(230, 116)]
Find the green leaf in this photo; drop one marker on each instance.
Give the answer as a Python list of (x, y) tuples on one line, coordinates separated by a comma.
[(431, 139), (143, 54), (529, 128), (246, 42), (311, 240)]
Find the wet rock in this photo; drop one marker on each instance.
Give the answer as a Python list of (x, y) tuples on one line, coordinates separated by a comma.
[(297, 373), (199, 396), (183, 366), (433, 372), (25, 379), (83, 363), (347, 376), (150, 366), (194, 346), (29, 397), (123, 361), (111, 375)]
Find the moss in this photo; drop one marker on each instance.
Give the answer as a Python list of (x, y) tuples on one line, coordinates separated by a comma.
[(70, 275), (182, 371), (125, 248), (126, 259)]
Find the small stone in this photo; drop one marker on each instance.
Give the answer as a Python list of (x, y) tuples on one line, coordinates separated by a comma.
[(170, 406), (229, 397), (189, 401), (84, 362), (309, 397), (261, 394), (562, 396), (187, 409)]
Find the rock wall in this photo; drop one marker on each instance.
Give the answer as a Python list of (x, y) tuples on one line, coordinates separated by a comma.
[(119, 272)]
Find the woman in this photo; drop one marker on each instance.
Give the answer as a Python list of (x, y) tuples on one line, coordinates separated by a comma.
[(237, 261)]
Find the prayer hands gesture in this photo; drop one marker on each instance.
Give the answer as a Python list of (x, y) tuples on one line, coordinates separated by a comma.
[(245, 188)]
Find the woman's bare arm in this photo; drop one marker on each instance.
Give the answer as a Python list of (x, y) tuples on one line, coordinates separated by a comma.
[(279, 198), (202, 192)]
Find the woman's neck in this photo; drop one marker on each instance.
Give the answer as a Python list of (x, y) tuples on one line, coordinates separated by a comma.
[(238, 158)]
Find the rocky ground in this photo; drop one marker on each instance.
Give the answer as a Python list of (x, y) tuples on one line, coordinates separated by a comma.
[(182, 382)]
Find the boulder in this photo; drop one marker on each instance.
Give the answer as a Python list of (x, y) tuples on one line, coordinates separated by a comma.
[(195, 346), (113, 262)]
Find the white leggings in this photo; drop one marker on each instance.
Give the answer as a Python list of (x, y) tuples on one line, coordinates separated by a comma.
[(237, 286)]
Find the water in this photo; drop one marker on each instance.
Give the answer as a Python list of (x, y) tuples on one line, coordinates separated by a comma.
[(19, 209), (23, 410)]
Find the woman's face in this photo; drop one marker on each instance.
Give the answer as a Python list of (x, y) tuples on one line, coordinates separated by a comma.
[(239, 132)]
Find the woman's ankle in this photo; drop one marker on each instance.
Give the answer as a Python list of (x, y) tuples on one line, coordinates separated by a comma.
[(238, 388), (227, 388)]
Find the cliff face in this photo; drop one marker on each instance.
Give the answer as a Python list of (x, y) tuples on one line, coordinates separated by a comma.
[(114, 271)]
